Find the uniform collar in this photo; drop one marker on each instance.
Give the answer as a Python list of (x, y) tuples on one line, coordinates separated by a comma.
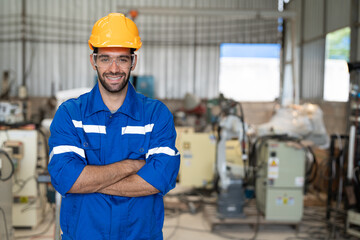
[(132, 105), (95, 102)]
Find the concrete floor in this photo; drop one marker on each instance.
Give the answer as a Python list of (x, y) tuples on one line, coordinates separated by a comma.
[(190, 226), (182, 227), (187, 226), (183, 224)]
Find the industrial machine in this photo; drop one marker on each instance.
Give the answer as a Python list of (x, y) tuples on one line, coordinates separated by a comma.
[(231, 197), (144, 84), (278, 168), (280, 179), (6, 173), (197, 157), (28, 201), (353, 223), (234, 158), (13, 112)]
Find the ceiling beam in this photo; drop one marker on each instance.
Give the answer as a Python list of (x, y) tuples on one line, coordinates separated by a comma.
[(228, 13)]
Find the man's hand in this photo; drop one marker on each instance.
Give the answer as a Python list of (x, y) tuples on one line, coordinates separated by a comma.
[(133, 166)]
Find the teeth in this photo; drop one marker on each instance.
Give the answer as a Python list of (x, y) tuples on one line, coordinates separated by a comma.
[(114, 78)]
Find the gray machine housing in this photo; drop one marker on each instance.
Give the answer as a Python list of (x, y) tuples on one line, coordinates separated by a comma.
[(280, 180), (231, 201)]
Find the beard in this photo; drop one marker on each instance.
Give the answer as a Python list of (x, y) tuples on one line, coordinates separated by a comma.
[(117, 88)]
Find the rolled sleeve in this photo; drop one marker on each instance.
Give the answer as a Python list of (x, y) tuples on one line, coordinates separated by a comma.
[(163, 159), (67, 158), (161, 172), (64, 172)]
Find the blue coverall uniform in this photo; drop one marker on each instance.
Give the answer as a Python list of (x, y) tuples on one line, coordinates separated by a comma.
[(84, 132)]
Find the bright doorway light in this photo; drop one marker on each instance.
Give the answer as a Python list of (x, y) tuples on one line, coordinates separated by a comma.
[(250, 72), (336, 78)]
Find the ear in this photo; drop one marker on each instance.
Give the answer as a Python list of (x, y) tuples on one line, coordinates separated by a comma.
[(92, 61), (135, 61)]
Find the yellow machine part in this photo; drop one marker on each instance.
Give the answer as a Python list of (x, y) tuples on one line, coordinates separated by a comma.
[(234, 152), (198, 151)]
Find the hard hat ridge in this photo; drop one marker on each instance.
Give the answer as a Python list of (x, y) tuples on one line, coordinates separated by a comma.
[(115, 30)]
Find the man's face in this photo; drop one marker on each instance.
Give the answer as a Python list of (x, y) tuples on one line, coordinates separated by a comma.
[(113, 77)]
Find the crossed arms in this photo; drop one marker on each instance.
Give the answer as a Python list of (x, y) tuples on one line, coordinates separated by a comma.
[(119, 179), (71, 173)]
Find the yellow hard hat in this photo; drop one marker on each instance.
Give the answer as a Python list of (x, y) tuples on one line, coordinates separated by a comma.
[(115, 30)]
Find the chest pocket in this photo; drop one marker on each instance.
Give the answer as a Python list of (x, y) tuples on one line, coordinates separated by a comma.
[(91, 143), (137, 146), (137, 140)]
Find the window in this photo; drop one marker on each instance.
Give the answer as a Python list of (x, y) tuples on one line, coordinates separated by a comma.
[(336, 78), (250, 72)]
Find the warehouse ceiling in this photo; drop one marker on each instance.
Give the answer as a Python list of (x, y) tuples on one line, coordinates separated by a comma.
[(46, 40), (202, 26)]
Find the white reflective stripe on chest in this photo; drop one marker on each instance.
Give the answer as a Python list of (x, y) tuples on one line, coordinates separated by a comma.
[(90, 128), (137, 129)]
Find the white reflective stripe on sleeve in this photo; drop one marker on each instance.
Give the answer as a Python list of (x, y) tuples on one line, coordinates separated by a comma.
[(67, 149), (77, 124), (90, 128), (137, 129), (165, 150)]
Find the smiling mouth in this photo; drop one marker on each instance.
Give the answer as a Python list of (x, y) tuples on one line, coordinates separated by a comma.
[(114, 78)]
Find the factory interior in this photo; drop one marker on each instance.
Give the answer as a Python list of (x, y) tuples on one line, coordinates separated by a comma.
[(264, 94)]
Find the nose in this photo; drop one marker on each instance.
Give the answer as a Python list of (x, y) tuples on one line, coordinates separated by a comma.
[(113, 66)]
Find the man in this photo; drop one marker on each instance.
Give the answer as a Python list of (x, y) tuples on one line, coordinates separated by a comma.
[(113, 154)]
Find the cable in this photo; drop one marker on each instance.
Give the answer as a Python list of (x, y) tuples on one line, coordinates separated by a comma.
[(22, 183), (5, 223), (243, 141), (11, 164), (29, 205), (317, 227), (44, 231), (230, 237), (237, 238), (45, 143), (313, 226), (176, 226), (313, 166)]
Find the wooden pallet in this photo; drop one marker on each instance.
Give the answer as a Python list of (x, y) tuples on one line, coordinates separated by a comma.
[(251, 217)]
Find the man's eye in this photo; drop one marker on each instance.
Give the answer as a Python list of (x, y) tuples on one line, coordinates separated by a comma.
[(104, 59), (124, 59)]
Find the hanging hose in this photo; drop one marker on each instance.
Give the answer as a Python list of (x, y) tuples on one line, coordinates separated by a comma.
[(11, 164), (313, 166), (243, 140)]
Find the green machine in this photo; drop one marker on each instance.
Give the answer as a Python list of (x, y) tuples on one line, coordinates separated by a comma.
[(280, 180)]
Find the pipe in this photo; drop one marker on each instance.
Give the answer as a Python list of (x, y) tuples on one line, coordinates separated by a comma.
[(23, 21), (352, 136)]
